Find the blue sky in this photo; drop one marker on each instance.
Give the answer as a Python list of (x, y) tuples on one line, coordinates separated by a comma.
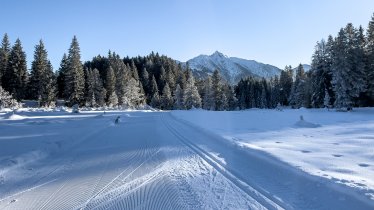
[(277, 32)]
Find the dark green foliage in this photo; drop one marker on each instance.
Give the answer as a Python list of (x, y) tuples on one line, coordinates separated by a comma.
[(4, 55), (42, 81), (61, 77), (95, 91), (15, 77), (74, 77), (285, 82)]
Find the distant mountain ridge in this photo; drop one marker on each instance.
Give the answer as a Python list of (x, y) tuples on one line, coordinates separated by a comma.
[(232, 69)]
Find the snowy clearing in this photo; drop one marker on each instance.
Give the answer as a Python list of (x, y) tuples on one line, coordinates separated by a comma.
[(335, 145), (150, 160)]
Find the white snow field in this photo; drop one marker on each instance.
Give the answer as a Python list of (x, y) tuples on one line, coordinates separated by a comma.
[(154, 160), (334, 147)]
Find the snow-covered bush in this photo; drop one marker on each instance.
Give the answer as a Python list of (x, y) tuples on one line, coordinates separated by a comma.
[(7, 101)]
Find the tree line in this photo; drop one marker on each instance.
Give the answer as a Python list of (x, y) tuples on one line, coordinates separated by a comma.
[(341, 76)]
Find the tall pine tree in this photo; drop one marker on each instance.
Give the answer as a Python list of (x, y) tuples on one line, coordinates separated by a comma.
[(347, 68), (15, 77), (4, 55), (42, 84), (191, 97), (74, 78), (370, 60), (61, 77)]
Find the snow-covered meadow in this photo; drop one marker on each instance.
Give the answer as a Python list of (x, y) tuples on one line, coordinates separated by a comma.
[(335, 145), (53, 158)]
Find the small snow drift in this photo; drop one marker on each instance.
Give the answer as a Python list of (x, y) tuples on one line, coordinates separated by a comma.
[(305, 124), (13, 116)]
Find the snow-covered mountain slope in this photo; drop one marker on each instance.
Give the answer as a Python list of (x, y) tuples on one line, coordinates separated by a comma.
[(232, 69)]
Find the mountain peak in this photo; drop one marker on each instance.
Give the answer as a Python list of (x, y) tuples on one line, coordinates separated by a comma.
[(231, 69), (218, 54)]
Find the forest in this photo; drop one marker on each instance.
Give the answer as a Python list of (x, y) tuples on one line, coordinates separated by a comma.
[(341, 76)]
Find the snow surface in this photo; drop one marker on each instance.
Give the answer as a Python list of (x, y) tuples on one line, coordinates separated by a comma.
[(335, 145), (60, 160), (55, 159)]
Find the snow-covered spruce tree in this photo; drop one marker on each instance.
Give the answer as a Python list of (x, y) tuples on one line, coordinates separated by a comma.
[(113, 100), (6, 100), (96, 92), (41, 83), (110, 86), (328, 73), (347, 68), (74, 78), (61, 77), (319, 70), (298, 88), (263, 100), (231, 102), (170, 77), (15, 77), (166, 98), (162, 78), (155, 100), (144, 78), (361, 63), (191, 97), (208, 100), (370, 59), (4, 55), (178, 98), (153, 93), (134, 71), (217, 91), (275, 92), (133, 96), (121, 75), (285, 82)]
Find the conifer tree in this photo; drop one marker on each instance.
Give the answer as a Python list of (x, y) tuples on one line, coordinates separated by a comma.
[(110, 86), (15, 77), (4, 55), (113, 100), (42, 82), (178, 98), (217, 91), (320, 71), (166, 98), (285, 82), (96, 92), (61, 77), (208, 100), (370, 59), (74, 78), (133, 95), (347, 68), (298, 88), (191, 97), (144, 78), (153, 88)]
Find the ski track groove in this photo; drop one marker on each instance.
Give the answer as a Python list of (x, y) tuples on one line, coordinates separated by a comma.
[(110, 185), (249, 190), (62, 158)]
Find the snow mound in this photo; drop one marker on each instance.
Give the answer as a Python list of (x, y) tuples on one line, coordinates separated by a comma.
[(12, 116), (305, 124)]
